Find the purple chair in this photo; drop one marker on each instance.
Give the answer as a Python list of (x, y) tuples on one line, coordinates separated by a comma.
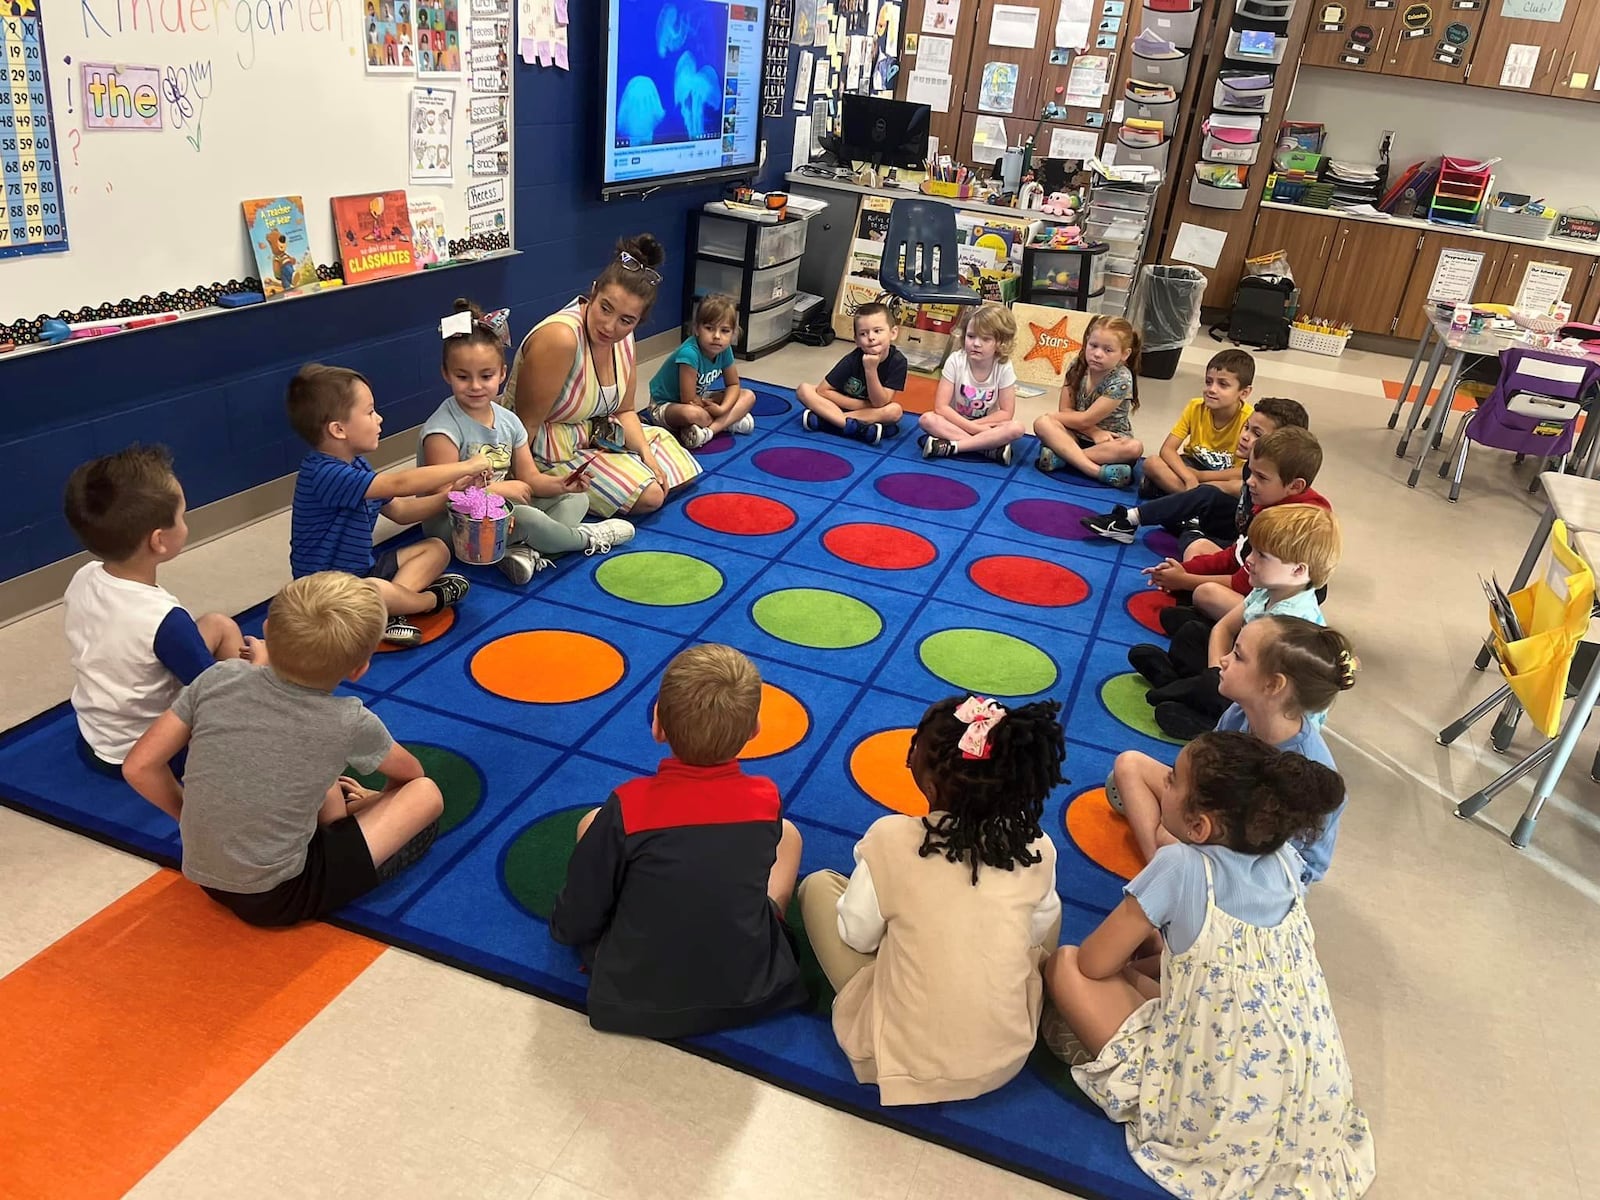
[(1533, 410)]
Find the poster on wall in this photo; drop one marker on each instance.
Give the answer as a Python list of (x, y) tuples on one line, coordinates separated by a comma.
[(432, 115), (387, 36), (32, 220), (438, 38), (120, 97)]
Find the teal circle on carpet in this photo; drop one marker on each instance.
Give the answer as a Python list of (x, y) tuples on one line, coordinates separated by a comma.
[(1123, 696), (458, 780), (817, 618), (535, 865), (659, 577), (989, 663)]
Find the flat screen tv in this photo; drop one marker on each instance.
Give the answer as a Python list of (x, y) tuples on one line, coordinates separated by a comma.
[(682, 98)]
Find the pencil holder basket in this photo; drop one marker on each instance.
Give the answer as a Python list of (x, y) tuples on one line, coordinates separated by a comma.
[(480, 542)]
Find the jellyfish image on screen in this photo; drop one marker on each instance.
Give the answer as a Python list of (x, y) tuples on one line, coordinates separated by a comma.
[(672, 30), (695, 92), (639, 112)]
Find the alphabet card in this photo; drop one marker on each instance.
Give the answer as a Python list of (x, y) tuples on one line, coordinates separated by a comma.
[(120, 97)]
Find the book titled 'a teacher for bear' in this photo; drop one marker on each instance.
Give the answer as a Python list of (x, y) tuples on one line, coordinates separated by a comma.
[(373, 231), (277, 230)]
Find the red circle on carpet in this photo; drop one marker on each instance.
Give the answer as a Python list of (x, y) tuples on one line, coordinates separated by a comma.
[(1145, 607), (1024, 580), (881, 546), (740, 513)]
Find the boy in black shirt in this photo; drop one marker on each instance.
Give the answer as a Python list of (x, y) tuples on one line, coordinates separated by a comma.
[(858, 396), (677, 887)]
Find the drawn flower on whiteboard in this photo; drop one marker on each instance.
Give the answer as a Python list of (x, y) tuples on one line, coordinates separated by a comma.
[(693, 92), (640, 111)]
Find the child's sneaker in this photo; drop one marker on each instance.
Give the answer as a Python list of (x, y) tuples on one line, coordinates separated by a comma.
[(809, 421), (1047, 460), (602, 535), (852, 427), (694, 436), (1114, 526), (1117, 475), (1154, 663), (1000, 454), (522, 563), (450, 589), (401, 632), (933, 447), (870, 433), (745, 424), (1114, 793), (1059, 1038)]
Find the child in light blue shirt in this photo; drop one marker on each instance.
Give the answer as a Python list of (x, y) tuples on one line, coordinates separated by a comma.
[(697, 393)]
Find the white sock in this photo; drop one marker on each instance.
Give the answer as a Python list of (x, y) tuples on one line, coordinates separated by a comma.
[(1133, 517)]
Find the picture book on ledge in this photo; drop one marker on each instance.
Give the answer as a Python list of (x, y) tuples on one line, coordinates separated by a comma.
[(373, 232), (277, 230)]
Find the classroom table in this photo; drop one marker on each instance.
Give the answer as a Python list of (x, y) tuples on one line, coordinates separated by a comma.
[(1459, 344)]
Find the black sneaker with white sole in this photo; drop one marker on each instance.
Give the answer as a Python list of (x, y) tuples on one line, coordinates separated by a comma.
[(1000, 454), (809, 422), (933, 447), (401, 632), (1113, 526), (869, 432), (451, 589)]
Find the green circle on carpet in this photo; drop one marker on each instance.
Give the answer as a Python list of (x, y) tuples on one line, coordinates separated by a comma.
[(989, 663), (535, 866), (457, 778), (1123, 696), (820, 619), (659, 578)]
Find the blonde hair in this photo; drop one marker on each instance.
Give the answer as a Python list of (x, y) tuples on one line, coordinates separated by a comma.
[(1299, 533), (708, 704), (996, 321), (323, 627)]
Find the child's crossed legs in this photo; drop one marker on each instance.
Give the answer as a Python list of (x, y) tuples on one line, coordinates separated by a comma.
[(715, 411), (989, 437), (221, 635), (389, 820), (834, 406), (419, 564), (1139, 779), (1104, 448)]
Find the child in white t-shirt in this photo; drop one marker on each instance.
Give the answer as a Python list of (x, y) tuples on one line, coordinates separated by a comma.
[(974, 408)]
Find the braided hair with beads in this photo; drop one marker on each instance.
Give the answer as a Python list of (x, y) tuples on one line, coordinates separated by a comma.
[(987, 806)]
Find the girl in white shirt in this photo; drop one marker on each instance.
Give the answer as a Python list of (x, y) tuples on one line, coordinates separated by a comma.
[(974, 407)]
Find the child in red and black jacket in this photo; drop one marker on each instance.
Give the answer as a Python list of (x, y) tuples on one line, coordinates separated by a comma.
[(1283, 466), (677, 887)]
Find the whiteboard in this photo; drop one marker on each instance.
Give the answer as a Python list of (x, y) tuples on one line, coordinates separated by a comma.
[(259, 98)]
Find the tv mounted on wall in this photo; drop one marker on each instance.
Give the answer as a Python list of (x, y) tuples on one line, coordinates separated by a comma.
[(682, 99)]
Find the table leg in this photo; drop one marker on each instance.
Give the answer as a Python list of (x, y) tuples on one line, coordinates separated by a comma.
[(1411, 374), (1421, 404), (1440, 414), (1582, 707), (1536, 544)]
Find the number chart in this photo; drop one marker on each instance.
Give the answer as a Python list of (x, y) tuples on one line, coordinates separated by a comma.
[(32, 218)]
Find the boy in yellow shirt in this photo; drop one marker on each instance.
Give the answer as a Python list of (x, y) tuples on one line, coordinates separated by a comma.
[(1200, 448)]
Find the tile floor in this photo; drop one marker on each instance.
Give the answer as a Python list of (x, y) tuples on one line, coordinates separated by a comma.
[(1466, 974)]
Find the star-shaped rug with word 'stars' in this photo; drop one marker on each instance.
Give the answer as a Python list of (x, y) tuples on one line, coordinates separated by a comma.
[(1053, 344)]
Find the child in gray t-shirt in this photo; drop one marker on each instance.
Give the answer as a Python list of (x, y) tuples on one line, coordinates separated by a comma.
[(270, 827)]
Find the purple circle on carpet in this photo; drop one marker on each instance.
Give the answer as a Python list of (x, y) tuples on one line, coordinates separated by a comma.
[(808, 466), (917, 489), (768, 405), (720, 444), (1051, 518), (1159, 541)]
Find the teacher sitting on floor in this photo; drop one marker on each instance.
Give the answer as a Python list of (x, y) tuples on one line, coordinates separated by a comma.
[(573, 385)]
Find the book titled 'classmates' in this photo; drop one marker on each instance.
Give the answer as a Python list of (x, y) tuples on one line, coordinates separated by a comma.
[(277, 229), (373, 231)]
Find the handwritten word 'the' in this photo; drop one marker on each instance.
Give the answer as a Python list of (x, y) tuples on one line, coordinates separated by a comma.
[(239, 18)]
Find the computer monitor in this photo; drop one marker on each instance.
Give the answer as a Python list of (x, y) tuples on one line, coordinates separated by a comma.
[(886, 133)]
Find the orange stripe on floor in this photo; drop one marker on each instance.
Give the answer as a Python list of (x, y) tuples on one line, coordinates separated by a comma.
[(128, 1032), (1391, 389)]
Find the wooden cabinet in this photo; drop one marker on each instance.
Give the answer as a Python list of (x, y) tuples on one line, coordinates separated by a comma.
[(1589, 309), (1514, 266), (1358, 37), (1501, 33), (1433, 41), (1006, 76), (1412, 318), (1368, 270), (1580, 68), (946, 126), (1306, 241)]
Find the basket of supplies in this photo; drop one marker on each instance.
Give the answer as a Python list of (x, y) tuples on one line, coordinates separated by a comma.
[(479, 524), (1319, 339)]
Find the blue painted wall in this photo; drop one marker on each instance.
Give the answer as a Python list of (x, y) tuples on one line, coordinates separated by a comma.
[(213, 389)]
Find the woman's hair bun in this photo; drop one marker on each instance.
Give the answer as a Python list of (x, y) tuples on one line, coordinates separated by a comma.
[(463, 305), (645, 247)]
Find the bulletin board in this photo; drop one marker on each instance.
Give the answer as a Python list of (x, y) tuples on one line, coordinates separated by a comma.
[(165, 115)]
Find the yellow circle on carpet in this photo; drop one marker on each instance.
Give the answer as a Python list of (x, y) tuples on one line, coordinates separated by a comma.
[(1103, 835), (878, 765), (784, 723), (548, 666)]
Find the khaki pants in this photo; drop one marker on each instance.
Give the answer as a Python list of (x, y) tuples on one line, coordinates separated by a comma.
[(819, 901)]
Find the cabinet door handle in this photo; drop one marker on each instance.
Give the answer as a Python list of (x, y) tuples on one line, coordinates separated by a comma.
[(1343, 238), (1572, 61), (1322, 250)]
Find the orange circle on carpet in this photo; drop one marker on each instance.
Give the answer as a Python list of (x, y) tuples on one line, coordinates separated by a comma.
[(434, 626), (740, 514), (867, 544), (1145, 607), (1101, 833), (1024, 580), (547, 666), (878, 765), (784, 722)]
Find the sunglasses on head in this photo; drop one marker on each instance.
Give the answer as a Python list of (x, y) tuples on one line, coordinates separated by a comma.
[(630, 263)]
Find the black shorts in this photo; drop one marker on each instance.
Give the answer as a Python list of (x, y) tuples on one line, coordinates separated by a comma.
[(338, 869), (385, 566)]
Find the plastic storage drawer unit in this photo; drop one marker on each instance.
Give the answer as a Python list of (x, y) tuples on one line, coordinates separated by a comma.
[(767, 286), (769, 326), (724, 237)]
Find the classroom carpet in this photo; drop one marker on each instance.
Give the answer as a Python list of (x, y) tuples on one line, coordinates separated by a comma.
[(865, 583)]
